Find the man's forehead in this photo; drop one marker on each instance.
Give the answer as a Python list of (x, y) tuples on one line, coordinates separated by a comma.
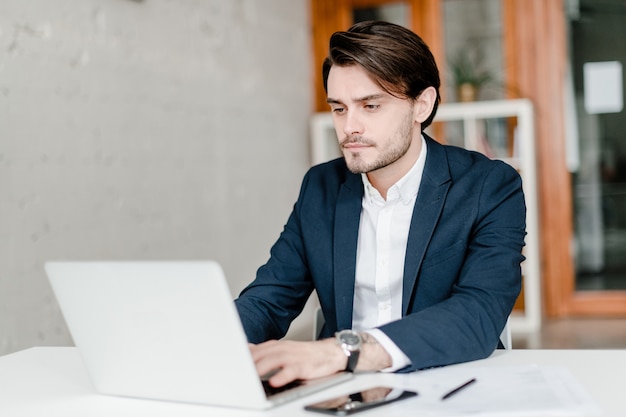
[(352, 83)]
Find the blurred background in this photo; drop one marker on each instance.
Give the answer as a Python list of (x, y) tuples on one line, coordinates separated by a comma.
[(181, 129)]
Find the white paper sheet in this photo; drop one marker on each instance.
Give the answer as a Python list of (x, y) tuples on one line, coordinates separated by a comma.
[(500, 391)]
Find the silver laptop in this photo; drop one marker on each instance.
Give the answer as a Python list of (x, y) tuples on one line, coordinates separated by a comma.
[(163, 330)]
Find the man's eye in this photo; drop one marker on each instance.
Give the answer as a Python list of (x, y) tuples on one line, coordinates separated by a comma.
[(372, 106), (338, 110)]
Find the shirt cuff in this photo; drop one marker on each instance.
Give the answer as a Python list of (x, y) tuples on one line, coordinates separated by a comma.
[(398, 359)]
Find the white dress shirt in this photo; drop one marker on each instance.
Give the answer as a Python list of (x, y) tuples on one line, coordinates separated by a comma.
[(383, 235)]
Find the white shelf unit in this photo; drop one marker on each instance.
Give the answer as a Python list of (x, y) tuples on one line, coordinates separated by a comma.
[(473, 117)]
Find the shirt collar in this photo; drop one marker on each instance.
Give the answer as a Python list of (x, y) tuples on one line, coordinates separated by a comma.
[(405, 189)]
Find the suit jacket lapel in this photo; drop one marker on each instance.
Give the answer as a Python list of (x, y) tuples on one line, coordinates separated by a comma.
[(428, 206), (346, 230)]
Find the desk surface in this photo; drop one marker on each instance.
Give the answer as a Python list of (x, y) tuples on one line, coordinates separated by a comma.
[(53, 382)]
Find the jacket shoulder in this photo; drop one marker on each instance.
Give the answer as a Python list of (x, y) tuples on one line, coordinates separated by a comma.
[(463, 162)]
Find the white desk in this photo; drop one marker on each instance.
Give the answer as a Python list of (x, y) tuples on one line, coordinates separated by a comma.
[(50, 382)]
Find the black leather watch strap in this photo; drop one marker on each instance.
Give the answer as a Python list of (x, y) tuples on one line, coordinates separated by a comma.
[(353, 359)]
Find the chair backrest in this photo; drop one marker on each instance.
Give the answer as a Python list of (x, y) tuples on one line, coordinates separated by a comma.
[(505, 336), (318, 323)]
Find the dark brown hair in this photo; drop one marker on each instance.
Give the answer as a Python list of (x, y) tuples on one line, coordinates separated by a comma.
[(396, 58)]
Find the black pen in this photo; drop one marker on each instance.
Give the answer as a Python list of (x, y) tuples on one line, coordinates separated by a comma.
[(457, 389)]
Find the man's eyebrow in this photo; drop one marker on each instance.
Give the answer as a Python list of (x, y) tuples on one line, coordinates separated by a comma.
[(377, 96)]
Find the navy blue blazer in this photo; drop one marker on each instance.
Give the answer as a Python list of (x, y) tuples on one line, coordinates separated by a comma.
[(462, 266)]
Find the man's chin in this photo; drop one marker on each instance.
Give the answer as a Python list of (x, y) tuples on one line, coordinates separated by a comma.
[(358, 167), (355, 171)]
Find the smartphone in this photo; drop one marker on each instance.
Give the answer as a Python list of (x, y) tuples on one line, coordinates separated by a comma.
[(360, 401)]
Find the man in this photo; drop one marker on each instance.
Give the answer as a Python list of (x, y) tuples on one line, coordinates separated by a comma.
[(414, 248)]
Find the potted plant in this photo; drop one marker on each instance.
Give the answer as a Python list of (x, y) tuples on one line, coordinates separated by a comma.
[(469, 74)]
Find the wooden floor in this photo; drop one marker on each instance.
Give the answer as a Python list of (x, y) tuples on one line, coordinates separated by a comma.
[(575, 334)]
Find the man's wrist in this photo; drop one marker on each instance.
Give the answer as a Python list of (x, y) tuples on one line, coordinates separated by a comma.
[(350, 342), (374, 356), (336, 357)]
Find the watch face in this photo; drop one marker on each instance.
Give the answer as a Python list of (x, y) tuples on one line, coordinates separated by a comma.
[(350, 338)]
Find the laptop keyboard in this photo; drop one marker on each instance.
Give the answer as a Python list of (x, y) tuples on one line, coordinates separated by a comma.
[(270, 390)]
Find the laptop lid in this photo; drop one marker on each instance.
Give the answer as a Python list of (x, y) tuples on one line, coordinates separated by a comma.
[(160, 330)]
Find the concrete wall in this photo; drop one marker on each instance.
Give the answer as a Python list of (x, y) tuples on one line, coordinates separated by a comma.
[(154, 129)]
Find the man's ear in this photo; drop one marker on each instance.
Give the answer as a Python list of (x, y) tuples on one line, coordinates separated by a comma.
[(424, 104)]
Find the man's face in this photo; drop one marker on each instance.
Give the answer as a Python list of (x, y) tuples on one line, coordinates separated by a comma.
[(374, 128)]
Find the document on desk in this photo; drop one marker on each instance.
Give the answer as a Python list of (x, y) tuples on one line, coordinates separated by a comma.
[(506, 391)]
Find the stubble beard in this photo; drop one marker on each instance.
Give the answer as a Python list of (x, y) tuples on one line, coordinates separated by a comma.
[(396, 148)]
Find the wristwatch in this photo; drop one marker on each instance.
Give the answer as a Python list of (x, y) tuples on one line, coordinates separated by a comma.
[(350, 342)]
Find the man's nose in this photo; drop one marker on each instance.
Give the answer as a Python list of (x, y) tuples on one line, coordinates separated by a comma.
[(353, 124)]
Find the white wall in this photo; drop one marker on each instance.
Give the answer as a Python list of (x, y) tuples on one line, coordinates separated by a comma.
[(155, 129)]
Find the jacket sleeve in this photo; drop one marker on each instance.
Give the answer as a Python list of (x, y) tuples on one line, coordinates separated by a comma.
[(282, 286)]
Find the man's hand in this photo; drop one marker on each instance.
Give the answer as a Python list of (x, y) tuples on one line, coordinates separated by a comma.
[(307, 360), (297, 360)]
